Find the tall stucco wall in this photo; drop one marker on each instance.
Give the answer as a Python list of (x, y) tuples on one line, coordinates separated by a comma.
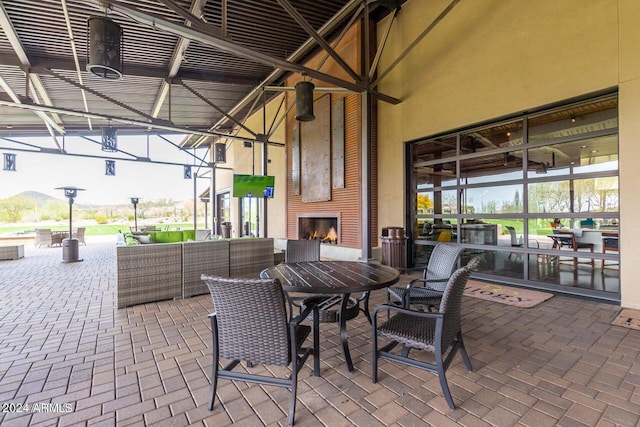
[(629, 88), (491, 58)]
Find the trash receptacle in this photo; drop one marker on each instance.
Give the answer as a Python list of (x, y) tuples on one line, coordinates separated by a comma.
[(225, 229), (394, 247)]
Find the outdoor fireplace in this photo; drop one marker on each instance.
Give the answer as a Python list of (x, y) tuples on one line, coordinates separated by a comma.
[(319, 226)]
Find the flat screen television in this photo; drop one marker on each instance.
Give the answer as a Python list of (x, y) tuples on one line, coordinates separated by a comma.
[(253, 185)]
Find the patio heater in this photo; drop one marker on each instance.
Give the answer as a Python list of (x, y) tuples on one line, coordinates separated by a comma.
[(70, 251), (134, 202), (205, 200)]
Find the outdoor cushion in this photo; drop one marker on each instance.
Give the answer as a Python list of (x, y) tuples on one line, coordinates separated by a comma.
[(167, 236)]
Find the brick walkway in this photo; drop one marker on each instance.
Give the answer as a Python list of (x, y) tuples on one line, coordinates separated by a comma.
[(63, 342)]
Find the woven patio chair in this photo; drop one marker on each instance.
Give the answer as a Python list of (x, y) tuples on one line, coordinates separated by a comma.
[(439, 333), (429, 289), (79, 234), (43, 237), (328, 305), (251, 324), (301, 251)]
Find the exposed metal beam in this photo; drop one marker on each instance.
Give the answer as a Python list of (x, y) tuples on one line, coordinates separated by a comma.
[(383, 42), (74, 51), (117, 149), (155, 124), (214, 106), (14, 96), (40, 63), (224, 11), (191, 19), (418, 39), (351, 8), (176, 60), (317, 89), (101, 95), (12, 35), (206, 37), (66, 153), (321, 41)]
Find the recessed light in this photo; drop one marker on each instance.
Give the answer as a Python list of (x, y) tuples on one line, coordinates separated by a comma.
[(594, 151), (583, 146)]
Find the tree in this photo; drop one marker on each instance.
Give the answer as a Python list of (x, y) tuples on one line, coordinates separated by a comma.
[(424, 203), (12, 209)]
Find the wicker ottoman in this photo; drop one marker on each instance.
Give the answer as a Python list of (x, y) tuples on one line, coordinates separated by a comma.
[(11, 252)]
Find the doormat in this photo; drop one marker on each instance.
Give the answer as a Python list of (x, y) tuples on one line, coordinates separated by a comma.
[(628, 318), (517, 297)]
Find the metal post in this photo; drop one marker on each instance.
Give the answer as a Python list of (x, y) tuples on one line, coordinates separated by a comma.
[(134, 202), (70, 217)]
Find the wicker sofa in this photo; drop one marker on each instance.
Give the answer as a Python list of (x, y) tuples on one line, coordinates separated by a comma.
[(155, 272)]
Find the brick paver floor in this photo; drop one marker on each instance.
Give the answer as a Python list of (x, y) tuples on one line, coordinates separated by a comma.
[(67, 352)]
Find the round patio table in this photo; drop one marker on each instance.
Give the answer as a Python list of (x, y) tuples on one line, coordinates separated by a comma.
[(333, 277)]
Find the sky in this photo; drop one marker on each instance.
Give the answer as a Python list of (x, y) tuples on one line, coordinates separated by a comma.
[(148, 181)]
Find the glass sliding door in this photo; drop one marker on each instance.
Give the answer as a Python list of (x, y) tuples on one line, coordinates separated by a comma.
[(507, 189)]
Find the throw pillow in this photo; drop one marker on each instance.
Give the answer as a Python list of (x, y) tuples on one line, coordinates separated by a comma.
[(143, 238)]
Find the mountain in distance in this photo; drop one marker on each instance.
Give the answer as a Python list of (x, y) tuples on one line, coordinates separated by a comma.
[(41, 199)]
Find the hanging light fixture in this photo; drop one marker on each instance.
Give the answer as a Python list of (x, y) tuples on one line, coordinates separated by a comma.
[(110, 167), (187, 172), (220, 152), (109, 139), (104, 48), (304, 101), (9, 162)]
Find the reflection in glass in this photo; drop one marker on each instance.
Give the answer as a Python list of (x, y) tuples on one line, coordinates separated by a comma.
[(437, 230), (571, 179), (434, 149), (436, 202), (577, 119), (496, 136), (479, 233), (491, 200), (583, 156), (440, 175), (596, 194), (491, 168), (545, 197)]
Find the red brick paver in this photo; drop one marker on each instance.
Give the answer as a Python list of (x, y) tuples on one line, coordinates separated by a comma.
[(67, 352)]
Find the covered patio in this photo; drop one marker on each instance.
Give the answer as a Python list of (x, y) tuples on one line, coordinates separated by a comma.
[(64, 342)]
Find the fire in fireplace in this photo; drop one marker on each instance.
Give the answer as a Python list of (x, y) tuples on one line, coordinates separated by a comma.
[(323, 227)]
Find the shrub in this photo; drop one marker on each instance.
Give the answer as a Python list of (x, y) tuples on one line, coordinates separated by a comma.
[(101, 219)]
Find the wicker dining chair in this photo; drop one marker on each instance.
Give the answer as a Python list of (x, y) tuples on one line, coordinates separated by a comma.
[(428, 290), (250, 324), (300, 251), (432, 332)]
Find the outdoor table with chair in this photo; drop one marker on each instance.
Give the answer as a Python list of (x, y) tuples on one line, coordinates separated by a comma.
[(236, 336), (341, 278)]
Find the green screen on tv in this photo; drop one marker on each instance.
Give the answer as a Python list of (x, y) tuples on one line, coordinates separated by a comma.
[(253, 185)]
